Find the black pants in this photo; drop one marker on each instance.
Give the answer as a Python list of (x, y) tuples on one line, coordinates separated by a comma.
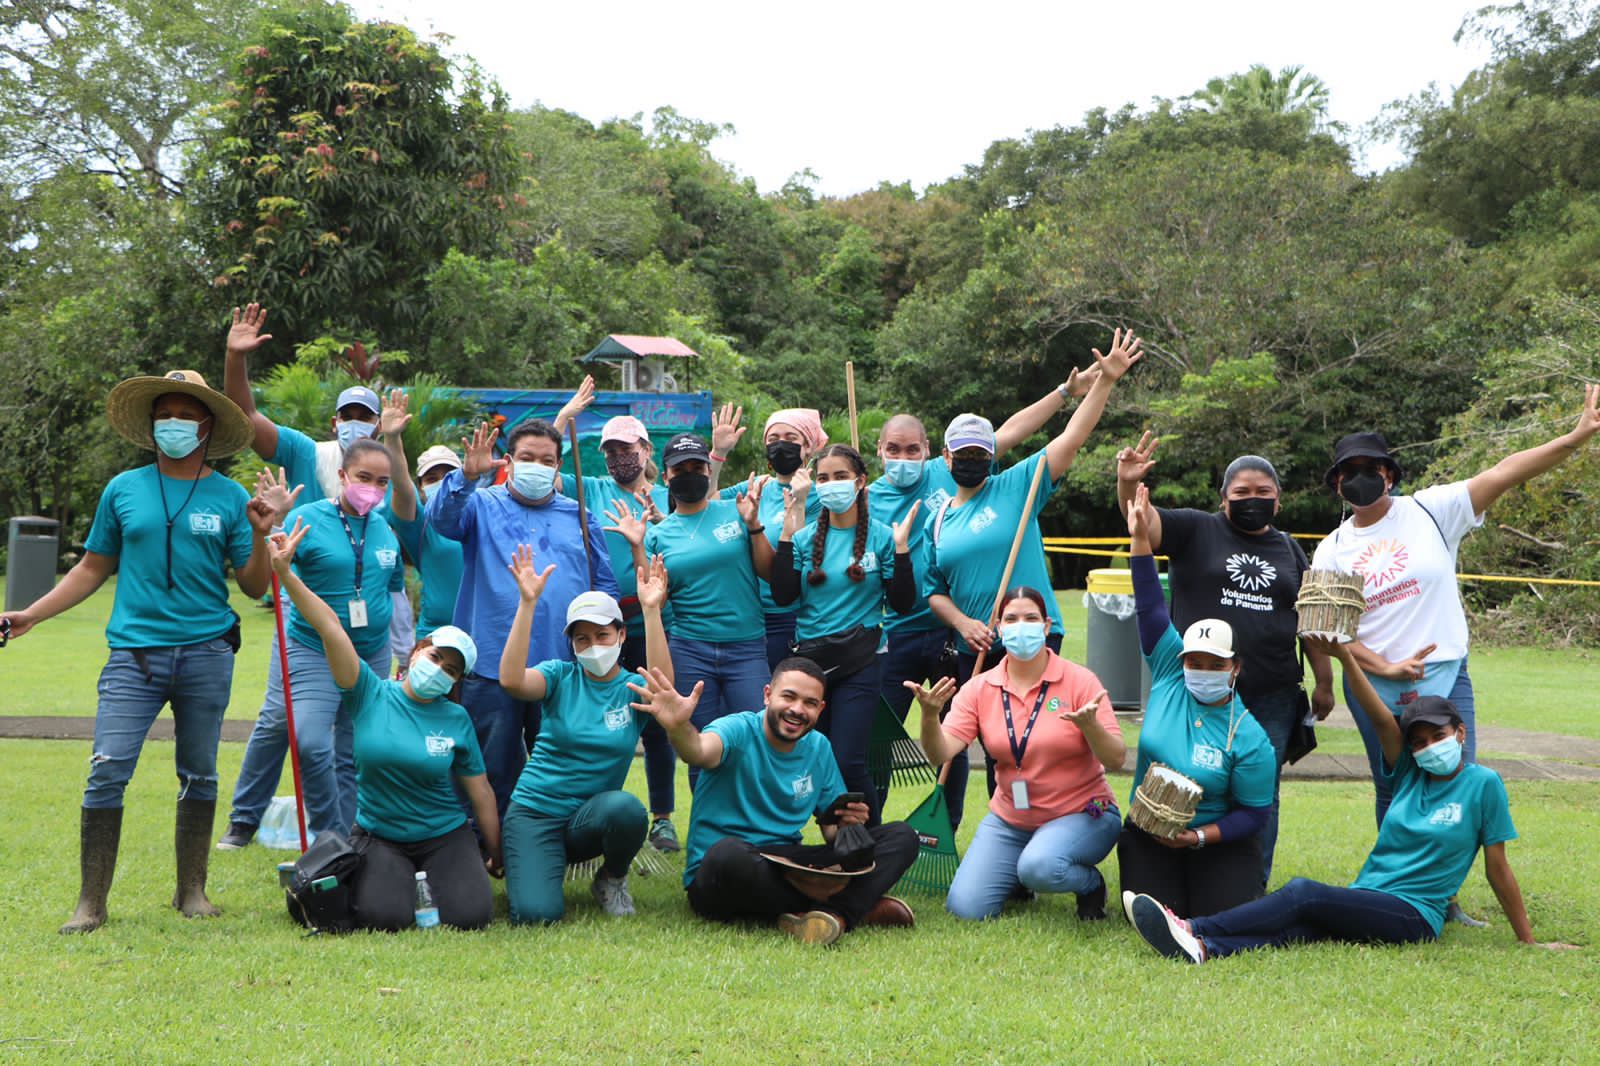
[(1194, 882), (386, 889), (734, 883)]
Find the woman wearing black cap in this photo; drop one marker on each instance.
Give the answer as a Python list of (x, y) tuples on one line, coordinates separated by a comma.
[(1444, 810), (1412, 639)]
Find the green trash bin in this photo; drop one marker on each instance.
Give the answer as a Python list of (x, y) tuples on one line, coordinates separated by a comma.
[(33, 544)]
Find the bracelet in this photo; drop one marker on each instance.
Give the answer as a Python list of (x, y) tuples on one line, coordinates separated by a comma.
[(715, 458), (1199, 838)]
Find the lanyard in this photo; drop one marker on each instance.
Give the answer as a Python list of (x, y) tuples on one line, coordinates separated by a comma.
[(1018, 747), (161, 484), (358, 548)]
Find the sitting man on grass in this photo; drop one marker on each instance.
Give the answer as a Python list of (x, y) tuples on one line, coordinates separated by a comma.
[(763, 774)]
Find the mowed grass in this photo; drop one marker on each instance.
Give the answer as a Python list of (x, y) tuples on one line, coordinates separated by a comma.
[(1035, 986)]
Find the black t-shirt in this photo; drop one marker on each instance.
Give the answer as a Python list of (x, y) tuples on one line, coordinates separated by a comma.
[(1248, 580)]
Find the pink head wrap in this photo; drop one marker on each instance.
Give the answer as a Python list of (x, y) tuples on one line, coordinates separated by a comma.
[(804, 419)]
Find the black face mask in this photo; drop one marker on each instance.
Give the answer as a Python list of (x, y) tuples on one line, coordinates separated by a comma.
[(784, 457), (1362, 489), (1251, 513), (969, 473), (625, 467), (689, 488)]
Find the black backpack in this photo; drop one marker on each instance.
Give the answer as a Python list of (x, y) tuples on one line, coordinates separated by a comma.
[(321, 894)]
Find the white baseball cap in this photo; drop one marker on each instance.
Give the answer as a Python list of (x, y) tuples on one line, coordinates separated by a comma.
[(970, 431), (1212, 636), (438, 455), (624, 428), (596, 607), (457, 640)]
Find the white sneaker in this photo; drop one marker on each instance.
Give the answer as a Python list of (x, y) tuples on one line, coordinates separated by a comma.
[(1127, 905), (612, 894), (1165, 931)]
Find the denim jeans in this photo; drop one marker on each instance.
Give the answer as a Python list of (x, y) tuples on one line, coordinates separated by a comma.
[(780, 638), (1277, 712), (918, 657), (611, 825), (196, 680), (323, 732), (500, 721), (660, 763), (1304, 911), (734, 674), (846, 720), (1059, 856), (1460, 697)]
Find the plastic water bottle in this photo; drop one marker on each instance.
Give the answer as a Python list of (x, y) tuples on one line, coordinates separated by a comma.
[(427, 910)]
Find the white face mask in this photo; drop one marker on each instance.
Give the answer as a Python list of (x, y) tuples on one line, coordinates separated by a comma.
[(598, 659)]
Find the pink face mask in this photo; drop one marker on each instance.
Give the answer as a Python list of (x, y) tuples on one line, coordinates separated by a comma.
[(363, 497)]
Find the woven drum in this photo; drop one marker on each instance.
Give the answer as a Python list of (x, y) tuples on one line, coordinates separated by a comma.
[(1330, 605), (1165, 802)]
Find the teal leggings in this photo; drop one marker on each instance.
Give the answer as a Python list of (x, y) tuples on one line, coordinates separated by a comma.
[(538, 849)]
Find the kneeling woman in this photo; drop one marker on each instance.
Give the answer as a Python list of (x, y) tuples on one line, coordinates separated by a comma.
[(568, 805), (1443, 811), (1052, 817), (1195, 724), (843, 569), (410, 742)]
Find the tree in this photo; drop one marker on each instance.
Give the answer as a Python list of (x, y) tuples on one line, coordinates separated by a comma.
[(1290, 91)]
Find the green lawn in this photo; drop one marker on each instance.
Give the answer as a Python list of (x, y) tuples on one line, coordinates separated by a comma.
[(1035, 986)]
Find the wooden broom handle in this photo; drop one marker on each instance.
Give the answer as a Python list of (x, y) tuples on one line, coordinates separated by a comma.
[(1016, 546)]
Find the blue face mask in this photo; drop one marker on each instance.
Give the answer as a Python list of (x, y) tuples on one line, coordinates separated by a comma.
[(350, 432), (533, 481), (1441, 758), (427, 491), (1022, 639), (902, 473), (176, 437), (837, 496), (428, 679), (1208, 686)]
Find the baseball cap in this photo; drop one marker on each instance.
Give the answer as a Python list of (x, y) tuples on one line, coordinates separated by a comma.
[(1434, 710), (438, 455), (456, 640), (1212, 636), (624, 428), (359, 394), (685, 447), (969, 431), (592, 606)]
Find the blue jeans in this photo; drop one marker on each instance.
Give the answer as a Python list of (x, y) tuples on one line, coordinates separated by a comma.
[(1460, 697), (1277, 711), (1059, 856), (323, 732), (610, 825), (1304, 911), (734, 675), (919, 657), (196, 680), (499, 719), (780, 636), (846, 720), (660, 763)]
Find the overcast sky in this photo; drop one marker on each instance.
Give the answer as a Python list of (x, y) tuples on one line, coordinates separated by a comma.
[(864, 91)]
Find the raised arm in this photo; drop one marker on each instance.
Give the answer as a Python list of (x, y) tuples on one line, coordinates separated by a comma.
[(1377, 712), (1125, 352), (938, 745), (265, 512), (1133, 466), (391, 427), (516, 676), (244, 338), (653, 587), (1514, 469), (447, 507), (343, 661), (749, 505), (727, 429), (902, 593), (575, 406), (662, 702), (1154, 621), (1027, 421)]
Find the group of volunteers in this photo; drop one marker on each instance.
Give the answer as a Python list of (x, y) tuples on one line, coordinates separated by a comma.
[(754, 632)]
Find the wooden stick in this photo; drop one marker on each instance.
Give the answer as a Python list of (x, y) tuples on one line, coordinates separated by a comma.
[(583, 510), (850, 399), (1011, 560)]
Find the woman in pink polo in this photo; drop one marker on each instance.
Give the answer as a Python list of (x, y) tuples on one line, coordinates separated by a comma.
[(1048, 727)]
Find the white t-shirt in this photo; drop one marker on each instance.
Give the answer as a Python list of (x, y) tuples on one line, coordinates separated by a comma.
[(1409, 563)]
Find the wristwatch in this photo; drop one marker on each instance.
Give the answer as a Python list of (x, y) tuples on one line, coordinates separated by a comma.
[(1066, 396)]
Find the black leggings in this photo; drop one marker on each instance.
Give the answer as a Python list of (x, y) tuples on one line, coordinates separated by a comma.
[(1192, 881), (386, 889)]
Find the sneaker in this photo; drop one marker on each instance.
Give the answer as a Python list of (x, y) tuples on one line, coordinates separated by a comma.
[(1454, 913), (663, 837), (812, 927), (890, 911), (1165, 931), (1127, 905), (1092, 904), (612, 894), (238, 836)]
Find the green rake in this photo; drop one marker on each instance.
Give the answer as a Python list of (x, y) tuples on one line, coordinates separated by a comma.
[(891, 753), (935, 866)]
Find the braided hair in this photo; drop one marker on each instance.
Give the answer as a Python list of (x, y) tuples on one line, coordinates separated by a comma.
[(819, 544)]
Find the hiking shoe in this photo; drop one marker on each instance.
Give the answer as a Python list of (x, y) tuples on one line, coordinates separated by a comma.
[(890, 911), (663, 837), (1165, 931), (612, 894), (1092, 904), (238, 836), (1454, 913), (812, 927), (1127, 905)]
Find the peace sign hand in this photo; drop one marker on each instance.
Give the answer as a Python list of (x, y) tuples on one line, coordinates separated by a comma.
[(902, 529), (1134, 463), (245, 335), (281, 547), (478, 452)]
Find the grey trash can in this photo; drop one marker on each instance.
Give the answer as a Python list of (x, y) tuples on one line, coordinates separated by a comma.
[(33, 544), (1111, 636)]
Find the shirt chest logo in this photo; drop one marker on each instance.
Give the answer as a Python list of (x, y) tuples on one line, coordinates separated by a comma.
[(869, 561), (726, 532), (935, 501), (1206, 757), (1382, 562), (801, 786), (205, 524), (1449, 814), (440, 746), (387, 557), (617, 718), (984, 519), (1250, 572)]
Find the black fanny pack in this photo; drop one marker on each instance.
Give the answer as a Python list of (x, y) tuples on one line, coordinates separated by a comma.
[(840, 654), (322, 894)]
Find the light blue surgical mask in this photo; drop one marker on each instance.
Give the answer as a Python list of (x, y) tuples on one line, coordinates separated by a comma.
[(1022, 639), (837, 496), (350, 432), (428, 679), (533, 481), (1441, 757), (427, 491), (176, 437), (902, 473), (1208, 686)]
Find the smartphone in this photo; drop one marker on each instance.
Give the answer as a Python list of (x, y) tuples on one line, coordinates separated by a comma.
[(838, 805)]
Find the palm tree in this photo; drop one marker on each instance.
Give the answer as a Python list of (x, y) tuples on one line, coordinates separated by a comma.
[(1290, 91)]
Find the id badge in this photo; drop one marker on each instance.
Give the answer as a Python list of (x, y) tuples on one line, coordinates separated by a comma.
[(358, 614), (1019, 794)]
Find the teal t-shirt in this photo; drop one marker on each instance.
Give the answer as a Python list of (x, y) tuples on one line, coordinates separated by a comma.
[(711, 581), (588, 731), (890, 505), (438, 562), (599, 493), (211, 529), (1240, 777), (758, 793), (839, 603), (297, 455), (326, 562), (1432, 833), (407, 756), (970, 546), (770, 511)]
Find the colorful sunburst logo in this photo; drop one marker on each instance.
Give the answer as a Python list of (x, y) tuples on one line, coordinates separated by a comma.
[(1382, 563)]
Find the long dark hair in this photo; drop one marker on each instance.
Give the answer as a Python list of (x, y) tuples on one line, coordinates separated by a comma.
[(824, 521)]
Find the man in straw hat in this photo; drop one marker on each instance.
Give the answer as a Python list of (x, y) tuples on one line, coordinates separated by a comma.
[(168, 530)]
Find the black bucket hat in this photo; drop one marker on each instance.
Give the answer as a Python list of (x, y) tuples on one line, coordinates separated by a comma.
[(1361, 446)]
